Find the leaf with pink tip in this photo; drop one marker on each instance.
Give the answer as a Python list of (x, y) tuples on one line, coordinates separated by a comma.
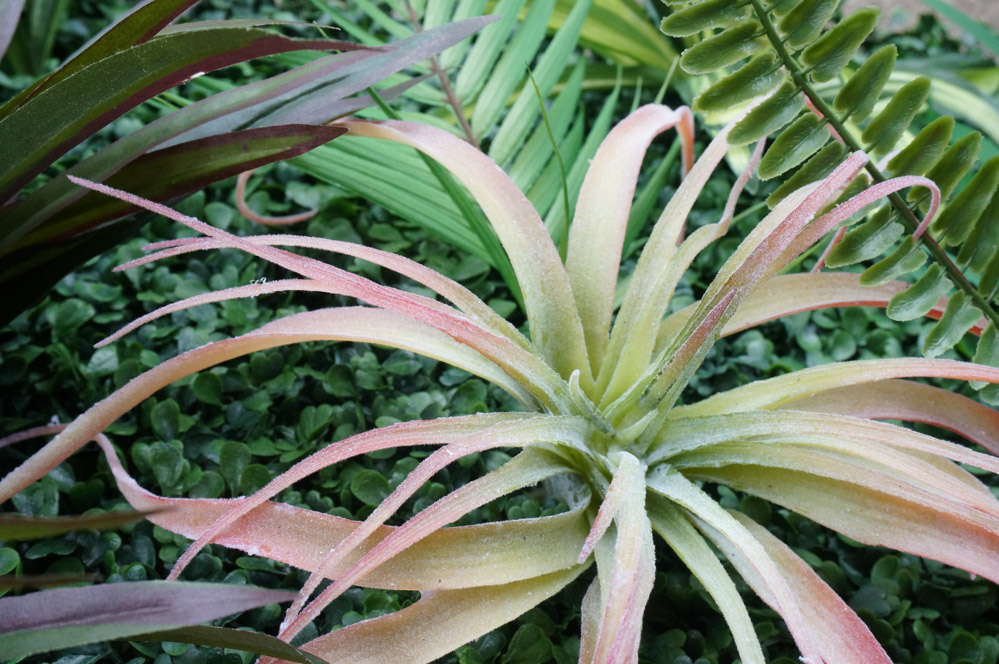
[(788, 294), (646, 299), (726, 532), (822, 226), (411, 334), (769, 245), (843, 636), (616, 379), (905, 521), (461, 297), (457, 557), (755, 260), (700, 559), (919, 477), (698, 433), (459, 436), (438, 623), (598, 227), (626, 591), (556, 330), (349, 323), (527, 368), (527, 468), (774, 392), (911, 402)]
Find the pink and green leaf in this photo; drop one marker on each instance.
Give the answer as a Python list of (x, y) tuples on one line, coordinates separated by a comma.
[(525, 367), (556, 330), (598, 228), (731, 536), (911, 402), (690, 434), (526, 469), (843, 636), (919, 477), (451, 290), (472, 434), (645, 302), (701, 560), (876, 517), (479, 555), (632, 573), (438, 623), (774, 392), (355, 324)]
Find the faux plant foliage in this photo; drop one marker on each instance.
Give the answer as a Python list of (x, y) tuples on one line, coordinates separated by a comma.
[(491, 74), (67, 617), (47, 232), (786, 49), (603, 420)]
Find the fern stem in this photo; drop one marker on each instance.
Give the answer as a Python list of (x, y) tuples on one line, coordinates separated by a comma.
[(906, 215)]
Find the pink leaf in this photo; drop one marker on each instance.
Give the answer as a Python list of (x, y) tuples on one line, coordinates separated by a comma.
[(843, 637), (912, 402)]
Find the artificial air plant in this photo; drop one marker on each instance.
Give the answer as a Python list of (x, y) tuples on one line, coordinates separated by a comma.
[(602, 421)]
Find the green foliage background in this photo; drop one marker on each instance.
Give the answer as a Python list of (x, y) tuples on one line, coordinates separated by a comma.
[(227, 431)]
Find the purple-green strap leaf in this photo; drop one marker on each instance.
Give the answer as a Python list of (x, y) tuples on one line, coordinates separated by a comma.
[(134, 28), (332, 79), (234, 639), (66, 617), (166, 174), (308, 101), (69, 111), (17, 527)]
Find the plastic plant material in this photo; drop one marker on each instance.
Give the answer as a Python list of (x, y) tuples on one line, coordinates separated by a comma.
[(601, 420), (49, 231), (813, 51), (64, 617)]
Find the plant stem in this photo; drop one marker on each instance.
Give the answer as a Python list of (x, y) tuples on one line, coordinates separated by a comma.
[(435, 67), (906, 215)]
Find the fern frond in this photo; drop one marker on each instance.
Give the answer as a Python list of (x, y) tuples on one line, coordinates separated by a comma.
[(823, 114)]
